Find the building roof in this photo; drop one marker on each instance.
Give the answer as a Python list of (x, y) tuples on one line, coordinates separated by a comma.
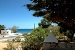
[(51, 38)]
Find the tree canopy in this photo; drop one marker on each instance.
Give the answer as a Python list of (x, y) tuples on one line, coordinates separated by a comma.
[(2, 27), (36, 37), (54, 30), (61, 12), (14, 29)]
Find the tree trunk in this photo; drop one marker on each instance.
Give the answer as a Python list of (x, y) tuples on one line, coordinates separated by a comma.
[(0, 31), (72, 37)]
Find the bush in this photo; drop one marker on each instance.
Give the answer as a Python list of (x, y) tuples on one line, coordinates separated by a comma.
[(10, 46), (18, 39), (35, 38)]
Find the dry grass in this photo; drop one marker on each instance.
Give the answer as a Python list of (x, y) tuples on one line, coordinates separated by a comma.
[(4, 45)]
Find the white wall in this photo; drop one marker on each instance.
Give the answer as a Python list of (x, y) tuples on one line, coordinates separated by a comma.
[(5, 31)]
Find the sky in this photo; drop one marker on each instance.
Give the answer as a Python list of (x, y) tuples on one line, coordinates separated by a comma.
[(13, 13)]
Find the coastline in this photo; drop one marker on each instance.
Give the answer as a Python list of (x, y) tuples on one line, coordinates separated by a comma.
[(24, 30), (4, 38)]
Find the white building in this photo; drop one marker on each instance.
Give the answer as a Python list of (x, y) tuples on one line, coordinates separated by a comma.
[(5, 32), (8, 35)]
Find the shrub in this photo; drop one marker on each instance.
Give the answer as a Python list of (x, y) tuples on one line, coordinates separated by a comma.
[(10, 46), (18, 39)]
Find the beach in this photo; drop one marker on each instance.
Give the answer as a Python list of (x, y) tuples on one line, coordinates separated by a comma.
[(3, 45)]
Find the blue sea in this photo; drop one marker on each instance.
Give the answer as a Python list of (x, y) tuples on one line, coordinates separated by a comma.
[(24, 30)]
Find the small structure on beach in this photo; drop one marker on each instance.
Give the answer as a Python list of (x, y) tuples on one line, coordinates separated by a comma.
[(49, 41), (5, 32)]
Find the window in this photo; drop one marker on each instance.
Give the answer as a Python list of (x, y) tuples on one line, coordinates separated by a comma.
[(7, 32)]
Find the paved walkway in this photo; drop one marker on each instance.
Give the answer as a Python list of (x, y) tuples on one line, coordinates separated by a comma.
[(7, 38)]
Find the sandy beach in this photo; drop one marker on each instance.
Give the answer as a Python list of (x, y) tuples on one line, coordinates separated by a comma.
[(3, 45)]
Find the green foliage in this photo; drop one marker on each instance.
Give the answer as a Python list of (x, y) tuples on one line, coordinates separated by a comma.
[(61, 12), (36, 37), (14, 29), (24, 34), (44, 23), (54, 29), (2, 27), (18, 39), (10, 46)]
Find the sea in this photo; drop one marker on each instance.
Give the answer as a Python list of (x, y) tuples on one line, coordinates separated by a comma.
[(24, 30)]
